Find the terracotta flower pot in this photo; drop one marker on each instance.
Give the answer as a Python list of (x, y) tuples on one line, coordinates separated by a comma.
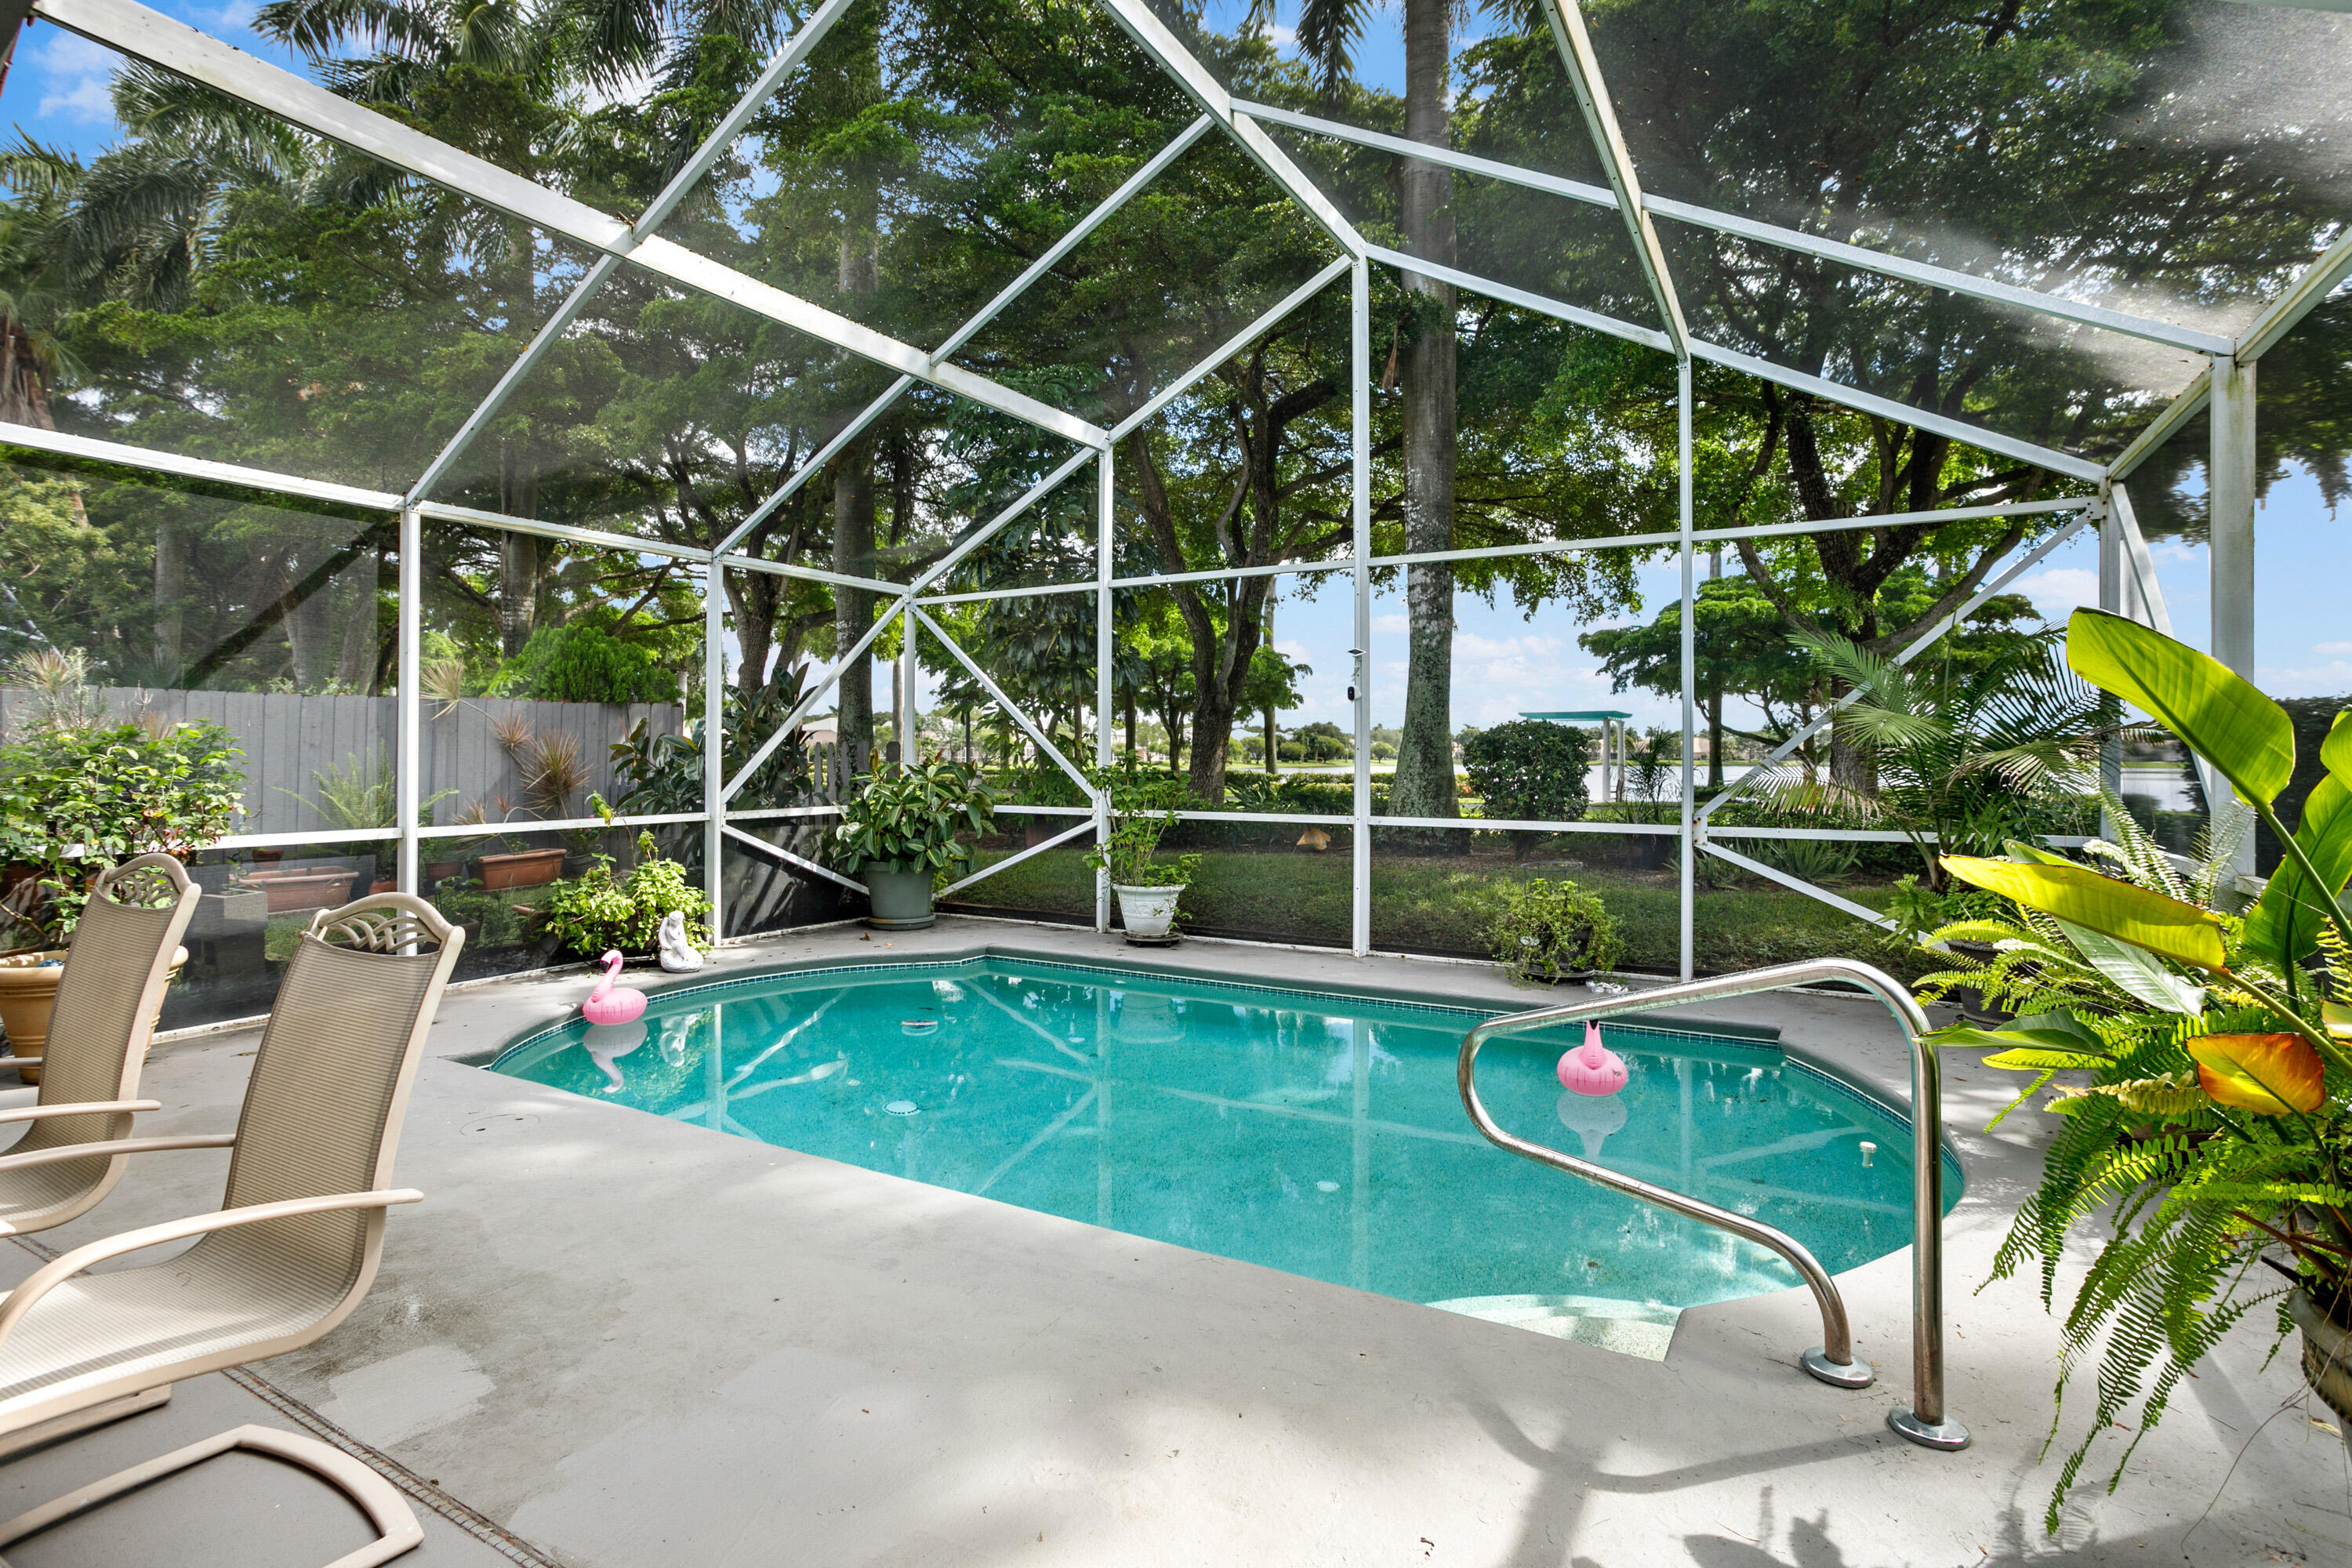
[(523, 869), (293, 891), (28, 990)]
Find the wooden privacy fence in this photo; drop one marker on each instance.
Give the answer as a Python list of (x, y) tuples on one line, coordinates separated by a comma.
[(291, 738)]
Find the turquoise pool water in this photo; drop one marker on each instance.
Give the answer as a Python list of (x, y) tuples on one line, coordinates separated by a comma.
[(1311, 1132)]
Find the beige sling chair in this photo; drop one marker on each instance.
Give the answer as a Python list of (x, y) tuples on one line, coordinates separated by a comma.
[(116, 967), (296, 1242)]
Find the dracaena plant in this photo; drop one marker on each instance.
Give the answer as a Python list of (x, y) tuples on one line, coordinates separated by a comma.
[(908, 816), (2205, 1108)]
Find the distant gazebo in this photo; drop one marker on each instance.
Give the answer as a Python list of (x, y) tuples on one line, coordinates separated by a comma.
[(1616, 747)]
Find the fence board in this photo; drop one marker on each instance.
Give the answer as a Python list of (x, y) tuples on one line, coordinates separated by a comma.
[(286, 737)]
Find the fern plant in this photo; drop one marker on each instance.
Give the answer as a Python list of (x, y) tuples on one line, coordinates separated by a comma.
[(2210, 1130)]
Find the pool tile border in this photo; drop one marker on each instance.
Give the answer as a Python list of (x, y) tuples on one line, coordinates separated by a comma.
[(1750, 1037)]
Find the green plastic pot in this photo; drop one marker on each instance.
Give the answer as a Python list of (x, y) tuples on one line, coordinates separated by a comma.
[(902, 899)]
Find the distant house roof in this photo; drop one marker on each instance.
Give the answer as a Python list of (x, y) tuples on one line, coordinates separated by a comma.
[(1586, 715)]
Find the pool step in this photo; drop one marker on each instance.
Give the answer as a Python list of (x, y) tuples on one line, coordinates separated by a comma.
[(1629, 1328)]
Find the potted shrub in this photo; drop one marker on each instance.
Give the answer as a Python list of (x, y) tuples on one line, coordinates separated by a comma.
[(1147, 889), (2207, 1146), (598, 911), (80, 792), (898, 833), (1551, 931)]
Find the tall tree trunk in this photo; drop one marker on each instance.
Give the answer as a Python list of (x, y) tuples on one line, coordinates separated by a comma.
[(1271, 770), (170, 600), (519, 572), (521, 563), (356, 664), (309, 637), (859, 274), (853, 608), (1714, 740), (1423, 784), (753, 597)]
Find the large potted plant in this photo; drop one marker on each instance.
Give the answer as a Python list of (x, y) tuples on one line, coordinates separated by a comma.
[(2207, 1139), (1148, 887), (80, 792), (898, 833)]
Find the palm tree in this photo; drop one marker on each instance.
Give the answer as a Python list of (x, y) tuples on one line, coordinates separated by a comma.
[(1973, 752), (1328, 31)]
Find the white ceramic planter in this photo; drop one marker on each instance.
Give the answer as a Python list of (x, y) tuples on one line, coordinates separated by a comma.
[(1148, 911)]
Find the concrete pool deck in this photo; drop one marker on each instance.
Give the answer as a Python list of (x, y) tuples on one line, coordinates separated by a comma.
[(629, 1342)]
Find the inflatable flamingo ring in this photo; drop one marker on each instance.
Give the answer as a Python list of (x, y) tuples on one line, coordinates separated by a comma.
[(1592, 1068), (611, 1004)]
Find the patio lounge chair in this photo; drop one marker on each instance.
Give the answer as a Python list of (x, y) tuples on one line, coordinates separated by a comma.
[(294, 1247), (116, 967)]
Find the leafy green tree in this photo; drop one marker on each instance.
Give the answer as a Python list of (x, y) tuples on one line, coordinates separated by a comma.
[(1743, 644), (1273, 686)]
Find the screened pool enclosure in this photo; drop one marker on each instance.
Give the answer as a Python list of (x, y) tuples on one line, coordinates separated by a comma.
[(455, 408)]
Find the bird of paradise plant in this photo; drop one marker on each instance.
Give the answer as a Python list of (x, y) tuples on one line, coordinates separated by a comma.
[(2211, 1124)]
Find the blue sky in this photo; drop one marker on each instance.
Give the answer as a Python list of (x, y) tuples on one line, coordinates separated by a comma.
[(1505, 662), (57, 87)]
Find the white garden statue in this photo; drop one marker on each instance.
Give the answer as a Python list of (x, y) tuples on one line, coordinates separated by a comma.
[(678, 954)]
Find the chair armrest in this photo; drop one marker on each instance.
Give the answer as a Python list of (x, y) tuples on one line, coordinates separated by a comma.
[(49, 1276), (106, 1148), (78, 1107)]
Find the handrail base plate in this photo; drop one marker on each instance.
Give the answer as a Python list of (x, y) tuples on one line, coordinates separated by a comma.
[(1856, 1374), (1948, 1435)]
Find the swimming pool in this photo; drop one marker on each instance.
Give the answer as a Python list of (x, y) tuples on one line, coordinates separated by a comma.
[(1307, 1131)]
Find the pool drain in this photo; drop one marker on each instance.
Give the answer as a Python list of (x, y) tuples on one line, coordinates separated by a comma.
[(902, 1108)]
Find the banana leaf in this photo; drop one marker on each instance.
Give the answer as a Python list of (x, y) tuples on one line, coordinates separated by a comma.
[(2059, 1036), (2284, 926), (2080, 896), (2335, 751), (2221, 714), (2269, 1075)]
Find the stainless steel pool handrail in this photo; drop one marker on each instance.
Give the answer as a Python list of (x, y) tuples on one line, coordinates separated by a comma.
[(1924, 1420)]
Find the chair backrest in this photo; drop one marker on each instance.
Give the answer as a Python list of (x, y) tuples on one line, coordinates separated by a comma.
[(116, 968), (330, 1083)]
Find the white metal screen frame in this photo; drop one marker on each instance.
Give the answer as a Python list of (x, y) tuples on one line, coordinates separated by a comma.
[(2127, 573)]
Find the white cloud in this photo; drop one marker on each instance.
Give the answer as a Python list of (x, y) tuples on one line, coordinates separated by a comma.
[(1283, 37), (2057, 592), (81, 77), (2332, 649), (1392, 623), (2333, 678)]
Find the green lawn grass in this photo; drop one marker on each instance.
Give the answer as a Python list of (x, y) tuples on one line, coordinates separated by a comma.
[(1443, 904)]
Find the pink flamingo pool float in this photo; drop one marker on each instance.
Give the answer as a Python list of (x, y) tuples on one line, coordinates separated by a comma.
[(1589, 1069), (611, 1004)]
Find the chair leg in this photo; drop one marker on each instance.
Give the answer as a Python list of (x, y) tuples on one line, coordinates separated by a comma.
[(74, 1421), (387, 1510)]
